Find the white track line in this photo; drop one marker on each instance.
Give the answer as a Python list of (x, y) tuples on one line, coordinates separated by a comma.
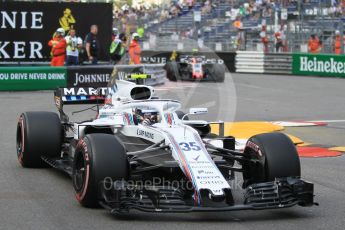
[(328, 121), (306, 123)]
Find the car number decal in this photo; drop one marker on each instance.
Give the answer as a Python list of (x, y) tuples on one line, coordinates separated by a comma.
[(189, 146)]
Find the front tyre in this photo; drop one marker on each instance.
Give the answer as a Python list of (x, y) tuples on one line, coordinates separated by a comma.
[(97, 157), (38, 134), (275, 155)]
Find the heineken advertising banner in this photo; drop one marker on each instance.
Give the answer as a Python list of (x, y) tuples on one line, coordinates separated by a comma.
[(26, 27), (32, 78), (319, 65)]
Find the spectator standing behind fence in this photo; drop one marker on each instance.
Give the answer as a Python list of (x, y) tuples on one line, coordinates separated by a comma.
[(320, 46), (134, 50), (279, 39), (314, 44), (58, 51), (118, 48), (74, 44), (264, 38), (240, 33), (337, 43), (92, 45)]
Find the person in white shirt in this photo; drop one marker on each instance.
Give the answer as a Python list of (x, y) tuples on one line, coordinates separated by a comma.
[(74, 43)]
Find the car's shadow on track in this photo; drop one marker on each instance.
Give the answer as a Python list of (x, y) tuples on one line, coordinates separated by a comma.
[(241, 216)]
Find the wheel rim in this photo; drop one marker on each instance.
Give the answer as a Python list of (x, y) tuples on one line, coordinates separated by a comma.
[(19, 140), (79, 172)]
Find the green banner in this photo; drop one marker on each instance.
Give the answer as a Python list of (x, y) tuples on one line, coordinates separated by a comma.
[(318, 65), (32, 78)]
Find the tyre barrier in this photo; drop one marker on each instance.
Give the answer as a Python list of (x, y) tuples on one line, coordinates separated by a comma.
[(278, 63), (260, 62), (249, 62)]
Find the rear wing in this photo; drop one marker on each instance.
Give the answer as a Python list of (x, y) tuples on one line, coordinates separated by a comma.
[(72, 96), (78, 96), (90, 95)]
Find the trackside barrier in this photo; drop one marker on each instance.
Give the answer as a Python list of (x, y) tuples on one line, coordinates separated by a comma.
[(278, 63), (99, 76), (32, 78), (249, 62), (47, 78), (319, 65), (259, 62)]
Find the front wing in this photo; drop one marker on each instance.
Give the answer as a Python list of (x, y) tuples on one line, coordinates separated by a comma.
[(281, 193)]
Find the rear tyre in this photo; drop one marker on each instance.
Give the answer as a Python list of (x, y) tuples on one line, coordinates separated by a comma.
[(276, 157), (218, 72), (38, 134), (172, 69), (97, 157)]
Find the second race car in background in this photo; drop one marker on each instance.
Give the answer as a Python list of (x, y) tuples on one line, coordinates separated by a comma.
[(194, 67)]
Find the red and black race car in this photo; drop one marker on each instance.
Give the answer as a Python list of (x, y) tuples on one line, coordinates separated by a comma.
[(194, 67)]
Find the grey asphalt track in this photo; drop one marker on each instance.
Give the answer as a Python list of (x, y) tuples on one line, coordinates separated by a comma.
[(44, 199)]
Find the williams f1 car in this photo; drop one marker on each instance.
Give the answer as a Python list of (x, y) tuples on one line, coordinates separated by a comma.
[(143, 153)]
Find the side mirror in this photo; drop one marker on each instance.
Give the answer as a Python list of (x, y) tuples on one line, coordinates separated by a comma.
[(196, 111)]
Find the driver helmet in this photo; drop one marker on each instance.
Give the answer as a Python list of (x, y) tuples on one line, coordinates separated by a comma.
[(146, 117)]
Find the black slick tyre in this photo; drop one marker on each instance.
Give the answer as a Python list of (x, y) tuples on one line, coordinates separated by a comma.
[(275, 155), (97, 157), (38, 134)]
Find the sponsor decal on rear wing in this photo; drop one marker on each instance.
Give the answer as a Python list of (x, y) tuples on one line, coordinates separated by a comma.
[(81, 95)]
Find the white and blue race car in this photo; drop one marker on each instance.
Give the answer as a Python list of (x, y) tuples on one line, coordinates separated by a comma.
[(143, 153)]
